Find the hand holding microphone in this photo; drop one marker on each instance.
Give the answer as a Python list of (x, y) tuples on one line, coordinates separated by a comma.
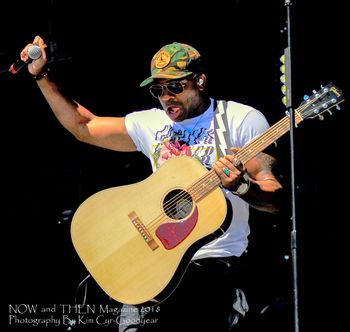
[(33, 55)]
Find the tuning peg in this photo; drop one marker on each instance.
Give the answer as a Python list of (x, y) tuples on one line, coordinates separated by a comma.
[(330, 112), (337, 107), (306, 97), (316, 94), (321, 117)]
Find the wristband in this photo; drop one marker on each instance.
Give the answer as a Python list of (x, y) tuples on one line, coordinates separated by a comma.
[(243, 187), (41, 75)]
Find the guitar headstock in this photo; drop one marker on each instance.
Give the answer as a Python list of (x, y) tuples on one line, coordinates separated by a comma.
[(321, 101)]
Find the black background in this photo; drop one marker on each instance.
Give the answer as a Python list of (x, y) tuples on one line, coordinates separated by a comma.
[(99, 53)]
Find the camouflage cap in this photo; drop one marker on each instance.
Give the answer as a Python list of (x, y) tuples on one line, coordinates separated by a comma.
[(172, 61)]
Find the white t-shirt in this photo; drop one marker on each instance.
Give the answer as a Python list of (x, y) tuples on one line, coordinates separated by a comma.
[(160, 138)]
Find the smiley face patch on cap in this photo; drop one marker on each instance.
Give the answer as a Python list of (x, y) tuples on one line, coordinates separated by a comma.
[(162, 59)]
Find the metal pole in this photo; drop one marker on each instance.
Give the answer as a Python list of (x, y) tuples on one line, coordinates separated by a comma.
[(289, 104)]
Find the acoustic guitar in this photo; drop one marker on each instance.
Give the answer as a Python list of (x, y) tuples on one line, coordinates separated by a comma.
[(137, 240)]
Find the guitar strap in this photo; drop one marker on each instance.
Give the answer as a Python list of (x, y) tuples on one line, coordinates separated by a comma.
[(221, 139), (221, 128)]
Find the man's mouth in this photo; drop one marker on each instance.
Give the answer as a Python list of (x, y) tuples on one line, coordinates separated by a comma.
[(173, 109)]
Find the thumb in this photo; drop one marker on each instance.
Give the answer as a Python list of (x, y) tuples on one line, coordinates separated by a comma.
[(234, 149)]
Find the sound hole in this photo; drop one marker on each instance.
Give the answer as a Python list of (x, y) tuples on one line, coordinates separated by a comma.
[(177, 204)]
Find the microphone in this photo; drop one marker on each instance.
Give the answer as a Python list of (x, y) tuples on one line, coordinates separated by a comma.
[(34, 52)]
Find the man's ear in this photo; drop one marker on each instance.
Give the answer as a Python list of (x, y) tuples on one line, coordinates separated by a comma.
[(201, 81)]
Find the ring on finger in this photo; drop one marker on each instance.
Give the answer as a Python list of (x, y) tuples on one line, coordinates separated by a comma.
[(226, 171)]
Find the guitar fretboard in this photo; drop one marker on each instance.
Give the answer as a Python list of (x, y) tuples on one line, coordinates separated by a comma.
[(210, 181)]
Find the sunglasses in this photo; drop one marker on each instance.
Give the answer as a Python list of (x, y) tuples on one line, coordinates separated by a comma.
[(175, 88)]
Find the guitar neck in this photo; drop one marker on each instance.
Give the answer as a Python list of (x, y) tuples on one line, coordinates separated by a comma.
[(261, 142), (323, 100), (211, 180)]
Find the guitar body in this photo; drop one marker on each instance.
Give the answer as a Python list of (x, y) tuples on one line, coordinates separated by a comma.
[(137, 240)]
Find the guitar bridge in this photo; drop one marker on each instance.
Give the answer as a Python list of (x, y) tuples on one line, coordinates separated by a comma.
[(141, 228)]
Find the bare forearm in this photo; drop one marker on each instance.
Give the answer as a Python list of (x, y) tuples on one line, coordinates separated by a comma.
[(68, 112), (268, 201)]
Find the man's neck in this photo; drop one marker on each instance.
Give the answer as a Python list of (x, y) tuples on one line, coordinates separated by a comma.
[(202, 107)]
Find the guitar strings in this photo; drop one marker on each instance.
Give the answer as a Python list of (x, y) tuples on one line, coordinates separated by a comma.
[(244, 154), (265, 139), (198, 185), (170, 206), (201, 188), (284, 123)]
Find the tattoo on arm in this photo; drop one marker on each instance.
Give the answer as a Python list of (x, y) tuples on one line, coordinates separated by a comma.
[(267, 162), (263, 200)]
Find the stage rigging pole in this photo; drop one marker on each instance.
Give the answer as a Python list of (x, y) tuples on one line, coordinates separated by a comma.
[(290, 112)]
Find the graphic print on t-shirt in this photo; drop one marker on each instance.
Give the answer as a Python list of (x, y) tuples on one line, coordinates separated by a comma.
[(198, 143)]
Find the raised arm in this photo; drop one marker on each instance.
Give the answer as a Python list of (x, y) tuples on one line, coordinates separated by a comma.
[(106, 132)]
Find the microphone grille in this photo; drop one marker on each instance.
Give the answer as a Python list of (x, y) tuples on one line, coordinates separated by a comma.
[(34, 52)]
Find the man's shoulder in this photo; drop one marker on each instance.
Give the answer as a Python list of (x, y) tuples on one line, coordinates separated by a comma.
[(236, 111), (236, 106), (145, 114)]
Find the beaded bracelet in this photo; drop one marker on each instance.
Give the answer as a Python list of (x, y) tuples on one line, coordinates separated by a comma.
[(41, 75)]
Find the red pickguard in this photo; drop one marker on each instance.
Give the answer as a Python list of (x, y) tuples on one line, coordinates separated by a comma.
[(171, 234)]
